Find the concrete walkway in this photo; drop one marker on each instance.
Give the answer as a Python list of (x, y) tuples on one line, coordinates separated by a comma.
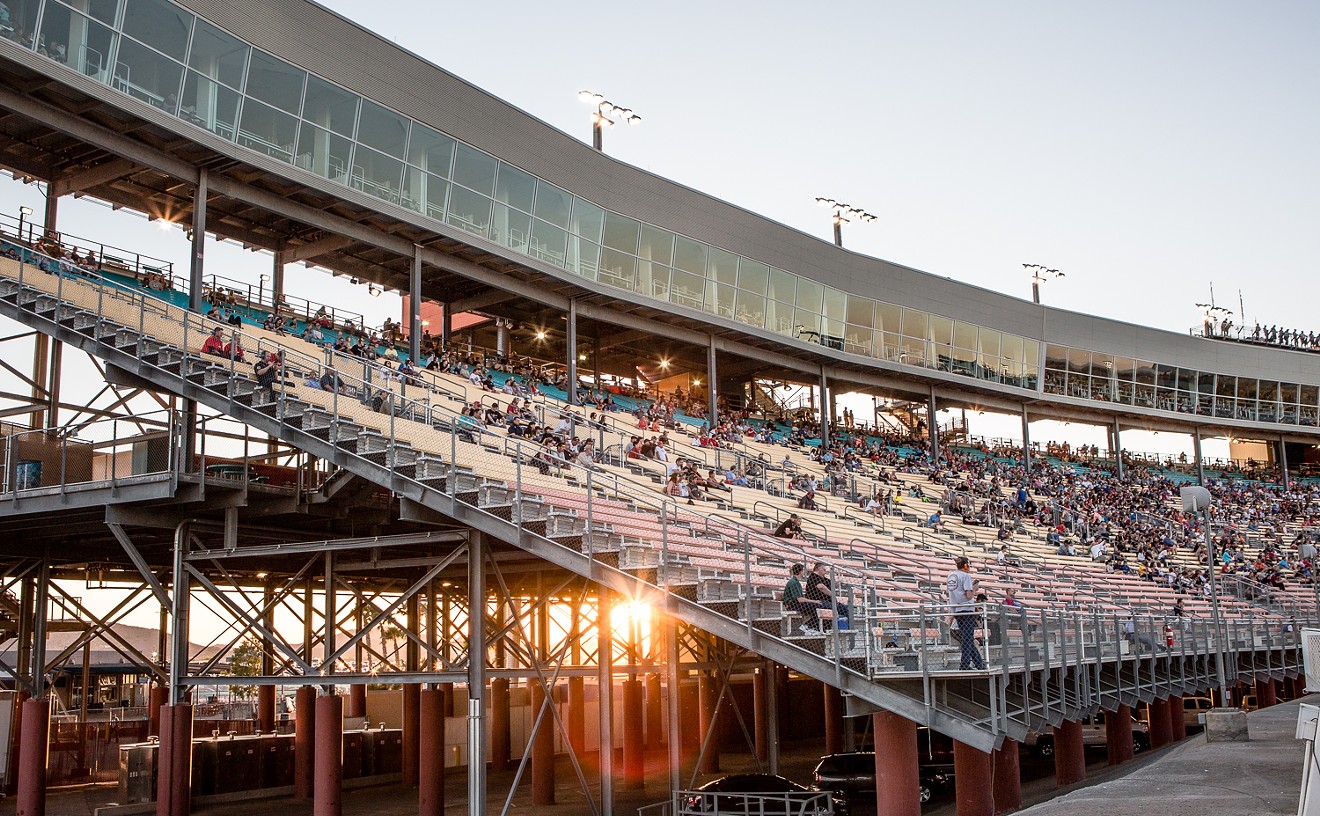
[(1257, 778)]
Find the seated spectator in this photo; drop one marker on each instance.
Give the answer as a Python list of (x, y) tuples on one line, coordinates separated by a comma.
[(819, 589), (808, 501), (790, 527), (215, 344), (794, 600), (330, 381)]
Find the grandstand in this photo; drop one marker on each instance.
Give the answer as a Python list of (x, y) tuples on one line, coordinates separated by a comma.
[(312, 481)]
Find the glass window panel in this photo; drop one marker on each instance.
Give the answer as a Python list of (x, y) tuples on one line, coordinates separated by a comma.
[(553, 204), (915, 323), (1269, 391), (720, 298), (1246, 387), (474, 169), (1079, 361), (782, 286), (1288, 393), (750, 308), (723, 267), (1225, 386), (1145, 372), (989, 343), (686, 289), (163, 26), (778, 317), (861, 311), (148, 76), (1123, 368), (376, 174), (964, 335), (210, 105), (621, 233), (103, 10), (426, 193), (1011, 347), (330, 106), (275, 82), (806, 324), (888, 345), (548, 242), (324, 153), (22, 21), (1307, 395), (1205, 383), (1166, 376), (913, 351), (753, 276), (1186, 379), (430, 150), (941, 329), (511, 228), (515, 188), (690, 255), (382, 129), (79, 42), (656, 245), (810, 295), (468, 210), (888, 317), (836, 305), (218, 55), (267, 130), (584, 257), (618, 268), (587, 219), (1056, 357), (656, 282), (1031, 352)]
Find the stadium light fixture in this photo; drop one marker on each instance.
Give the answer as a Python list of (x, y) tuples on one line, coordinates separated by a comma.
[(842, 214), (601, 116), (1040, 273)]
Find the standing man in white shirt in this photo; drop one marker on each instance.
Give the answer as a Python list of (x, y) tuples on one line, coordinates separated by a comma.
[(962, 600)]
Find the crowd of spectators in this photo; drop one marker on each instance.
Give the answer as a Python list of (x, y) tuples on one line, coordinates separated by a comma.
[(1287, 338)]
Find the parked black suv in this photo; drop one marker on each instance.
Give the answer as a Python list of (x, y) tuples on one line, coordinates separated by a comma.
[(739, 785), (853, 775)]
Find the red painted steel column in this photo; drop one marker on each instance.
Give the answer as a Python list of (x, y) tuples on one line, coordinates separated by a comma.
[(634, 738), (165, 761), (1069, 753), (181, 734), (32, 758), (328, 797), (304, 742), (833, 719), (973, 781), (1118, 735), (896, 769), (412, 709), (155, 699), (265, 709), (1177, 725), (708, 721), (760, 715), (499, 724), (357, 700), (654, 712), (1267, 693), (1160, 731), (577, 715), (1008, 777), (448, 689), (433, 708)]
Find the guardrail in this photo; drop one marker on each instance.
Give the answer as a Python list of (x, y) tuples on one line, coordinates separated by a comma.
[(107, 451)]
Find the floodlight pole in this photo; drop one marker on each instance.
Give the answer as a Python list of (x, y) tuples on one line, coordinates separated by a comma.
[(1224, 694)]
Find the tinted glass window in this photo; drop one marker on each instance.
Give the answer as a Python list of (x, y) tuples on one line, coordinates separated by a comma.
[(275, 82), (162, 26)]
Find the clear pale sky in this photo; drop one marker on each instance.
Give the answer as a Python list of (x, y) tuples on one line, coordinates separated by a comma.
[(1145, 149)]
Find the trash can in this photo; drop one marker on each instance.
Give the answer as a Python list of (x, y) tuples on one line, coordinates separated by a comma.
[(353, 755)]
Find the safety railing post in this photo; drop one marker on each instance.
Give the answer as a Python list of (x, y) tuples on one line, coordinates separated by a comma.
[(518, 483), (747, 582), (588, 541), (114, 446)]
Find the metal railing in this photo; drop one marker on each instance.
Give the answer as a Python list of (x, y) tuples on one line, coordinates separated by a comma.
[(108, 451)]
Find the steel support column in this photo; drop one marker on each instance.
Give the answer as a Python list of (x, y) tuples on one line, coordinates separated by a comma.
[(897, 775), (1196, 451), (708, 714), (357, 700), (654, 717), (1069, 753), (1160, 731), (31, 761), (833, 719), (327, 800), (973, 781), (1118, 449), (1118, 735), (760, 714), (499, 725), (543, 748), (1284, 476), (265, 709), (277, 265), (476, 638), (1266, 693), (412, 738), (1026, 439), (304, 742), (433, 708), (1008, 777), (571, 353), (712, 401), (825, 411), (195, 266), (933, 430), (605, 677), (415, 307), (1176, 722), (634, 738)]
